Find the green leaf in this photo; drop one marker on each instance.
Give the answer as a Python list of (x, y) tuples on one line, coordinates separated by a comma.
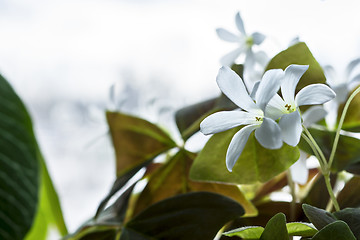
[(352, 218), (299, 54), (335, 231), (347, 153), (301, 229), (275, 228), (255, 163), (319, 217), (19, 166), (191, 216), (349, 196), (352, 118), (49, 214), (318, 196), (173, 178), (136, 141), (247, 233)]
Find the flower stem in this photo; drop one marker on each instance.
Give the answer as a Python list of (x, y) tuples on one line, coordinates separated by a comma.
[(331, 192), (293, 195), (316, 146), (341, 122)]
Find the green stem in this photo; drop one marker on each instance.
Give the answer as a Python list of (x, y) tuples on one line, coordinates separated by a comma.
[(341, 122), (331, 192), (293, 195), (313, 149), (318, 149)]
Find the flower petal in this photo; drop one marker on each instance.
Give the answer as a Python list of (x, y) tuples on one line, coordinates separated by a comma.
[(314, 94), (351, 66), (224, 120), (240, 24), (275, 108), (258, 38), (262, 58), (313, 115), (268, 87), (269, 134), (299, 171), (237, 145), (331, 76), (230, 58), (233, 87), (293, 74), (226, 35), (354, 82), (291, 129)]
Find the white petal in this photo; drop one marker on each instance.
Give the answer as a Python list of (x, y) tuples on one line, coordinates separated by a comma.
[(313, 115), (254, 89), (331, 76), (268, 87), (354, 82), (262, 58), (226, 35), (230, 58), (233, 87), (332, 112), (341, 91), (293, 74), (291, 129), (237, 145), (240, 24), (224, 120), (299, 171), (258, 38), (269, 134), (351, 66), (314, 94), (275, 108)]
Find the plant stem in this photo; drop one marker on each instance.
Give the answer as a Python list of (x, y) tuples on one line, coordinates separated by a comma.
[(341, 122), (313, 149), (293, 195), (331, 192), (318, 149)]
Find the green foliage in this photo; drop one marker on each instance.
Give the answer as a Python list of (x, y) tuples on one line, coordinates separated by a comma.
[(352, 118), (349, 196), (28, 198), (136, 141), (299, 54), (334, 231), (197, 215), (256, 163)]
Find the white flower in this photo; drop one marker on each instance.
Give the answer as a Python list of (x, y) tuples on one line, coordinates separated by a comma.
[(342, 87), (245, 43), (299, 170), (267, 131), (287, 107)]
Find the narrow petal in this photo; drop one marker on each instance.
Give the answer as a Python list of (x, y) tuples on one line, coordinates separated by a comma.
[(275, 108), (258, 38), (222, 121), (240, 24), (262, 58), (268, 87), (226, 35), (269, 134), (291, 129), (332, 112), (314, 94), (299, 171), (293, 74), (230, 58), (254, 89), (330, 74), (237, 145), (341, 91), (351, 66), (313, 115), (354, 82), (233, 87)]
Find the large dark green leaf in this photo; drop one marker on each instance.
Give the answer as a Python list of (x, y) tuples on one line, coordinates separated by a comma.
[(319, 217), (318, 196), (299, 54), (275, 228), (352, 218), (335, 231), (255, 163), (136, 141), (352, 118), (191, 216), (349, 196), (173, 178), (19, 166), (347, 153)]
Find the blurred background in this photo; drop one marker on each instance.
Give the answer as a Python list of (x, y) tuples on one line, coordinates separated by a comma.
[(71, 60)]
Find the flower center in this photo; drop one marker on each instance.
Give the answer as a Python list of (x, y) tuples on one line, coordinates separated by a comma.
[(259, 119), (249, 41), (289, 108)]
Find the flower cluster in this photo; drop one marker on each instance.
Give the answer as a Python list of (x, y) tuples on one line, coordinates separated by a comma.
[(274, 119)]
